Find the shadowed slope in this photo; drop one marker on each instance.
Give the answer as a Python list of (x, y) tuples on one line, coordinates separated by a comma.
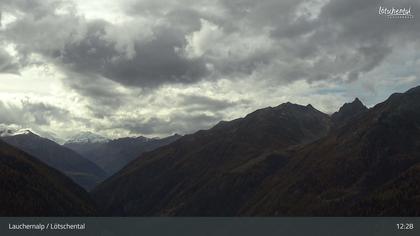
[(368, 167), (31, 188), (206, 173), (84, 172)]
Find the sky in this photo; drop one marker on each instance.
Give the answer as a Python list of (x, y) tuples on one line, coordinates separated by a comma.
[(155, 68)]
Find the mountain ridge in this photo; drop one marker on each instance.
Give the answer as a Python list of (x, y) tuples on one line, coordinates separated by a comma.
[(114, 154), (31, 188), (232, 170), (84, 172), (348, 112), (358, 161), (203, 159)]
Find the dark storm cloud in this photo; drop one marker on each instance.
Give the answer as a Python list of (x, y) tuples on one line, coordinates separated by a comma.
[(182, 42), (99, 91), (89, 48), (154, 62), (350, 37), (346, 39)]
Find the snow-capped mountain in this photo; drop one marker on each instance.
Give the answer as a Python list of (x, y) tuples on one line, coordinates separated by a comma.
[(12, 130), (116, 153), (87, 137)]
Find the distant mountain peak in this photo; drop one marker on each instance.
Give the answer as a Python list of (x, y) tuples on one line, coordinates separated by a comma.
[(347, 112), (87, 137), (289, 105), (357, 101), (355, 105), (6, 131), (116, 153)]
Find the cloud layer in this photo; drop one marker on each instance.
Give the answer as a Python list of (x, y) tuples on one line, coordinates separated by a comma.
[(159, 67)]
